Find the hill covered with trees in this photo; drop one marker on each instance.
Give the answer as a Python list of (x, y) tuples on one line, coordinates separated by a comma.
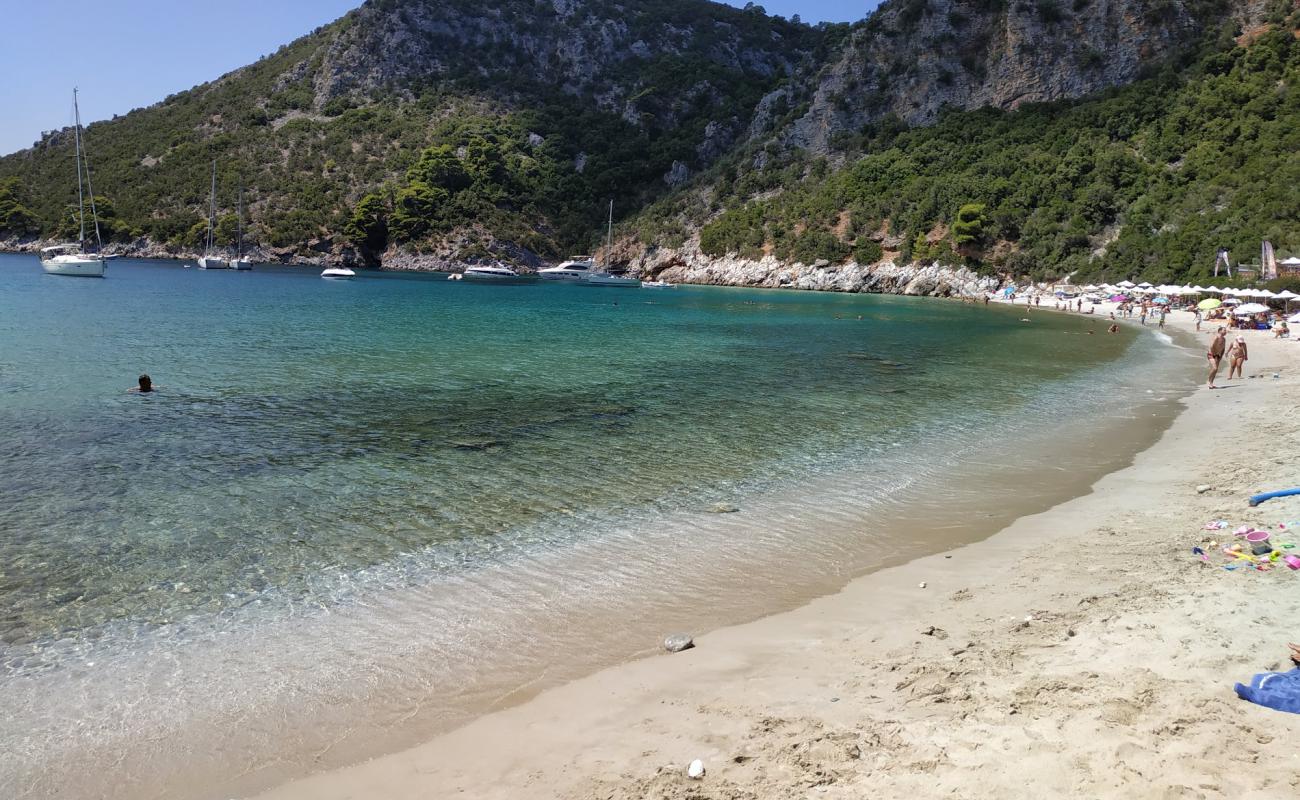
[(1124, 138), (1144, 180)]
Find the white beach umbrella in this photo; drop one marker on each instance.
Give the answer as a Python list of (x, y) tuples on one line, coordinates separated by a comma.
[(1198, 288), (1230, 301), (1286, 294), (1213, 290), (1246, 309), (1126, 284), (1144, 285), (1294, 319)]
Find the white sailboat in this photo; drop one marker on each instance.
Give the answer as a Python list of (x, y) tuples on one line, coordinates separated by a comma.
[(72, 259), (209, 260), (605, 277), (240, 262), (338, 274)]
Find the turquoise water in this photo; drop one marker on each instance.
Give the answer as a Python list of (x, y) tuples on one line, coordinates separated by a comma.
[(507, 455)]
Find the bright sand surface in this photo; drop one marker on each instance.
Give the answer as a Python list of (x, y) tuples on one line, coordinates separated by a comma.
[(1080, 652)]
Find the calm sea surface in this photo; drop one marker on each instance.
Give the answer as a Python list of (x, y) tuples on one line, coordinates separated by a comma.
[(406, 479)]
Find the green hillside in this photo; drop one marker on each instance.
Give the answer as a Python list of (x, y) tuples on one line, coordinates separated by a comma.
[(1149, 179), (504, 140)]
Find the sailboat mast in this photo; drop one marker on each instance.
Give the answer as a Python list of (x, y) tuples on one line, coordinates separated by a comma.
[(81, 200), (90, 186), (239, 236), (609, 236), (212, 205)]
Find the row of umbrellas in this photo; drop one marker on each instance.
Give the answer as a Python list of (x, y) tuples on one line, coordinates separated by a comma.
[(1181, 291)]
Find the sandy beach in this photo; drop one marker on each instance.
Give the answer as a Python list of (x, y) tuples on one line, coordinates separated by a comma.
[(1081, 652)]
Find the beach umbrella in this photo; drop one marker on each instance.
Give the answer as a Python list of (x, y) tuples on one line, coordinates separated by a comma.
[(1213, 290), (1286, 296), (1118, 298), (1209, 303), (1246, 309), (1144, 285), (1125, 284), (1294, 319), (1164, 301), (1198, 288), (1231, 301)]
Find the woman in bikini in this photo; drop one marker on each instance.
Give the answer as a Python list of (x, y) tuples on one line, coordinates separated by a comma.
[(1236, 357)]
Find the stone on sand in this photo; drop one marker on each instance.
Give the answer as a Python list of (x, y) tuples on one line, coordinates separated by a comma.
[(678, 642)]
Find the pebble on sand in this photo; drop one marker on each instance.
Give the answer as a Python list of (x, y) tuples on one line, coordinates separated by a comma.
[(678, 642), (921, 584), (1203, 488), (696, 770)]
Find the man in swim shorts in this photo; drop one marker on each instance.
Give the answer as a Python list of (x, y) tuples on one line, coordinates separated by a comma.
[(1215, 354)]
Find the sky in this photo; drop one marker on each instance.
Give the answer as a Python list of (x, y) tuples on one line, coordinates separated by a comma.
[(136, 52)]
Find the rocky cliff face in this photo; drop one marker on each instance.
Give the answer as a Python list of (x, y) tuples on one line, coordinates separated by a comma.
[(688, 265), (611, 54), (915, 57)]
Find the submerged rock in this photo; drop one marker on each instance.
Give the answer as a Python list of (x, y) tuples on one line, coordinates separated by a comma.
[(723, 508), (477, 444)]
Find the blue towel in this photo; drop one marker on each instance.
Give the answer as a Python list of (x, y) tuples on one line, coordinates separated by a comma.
[(1278, 690)]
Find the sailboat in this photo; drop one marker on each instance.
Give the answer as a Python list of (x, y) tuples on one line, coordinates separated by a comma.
[(210, 261), (72, 259), (240, 262), (605, 277)]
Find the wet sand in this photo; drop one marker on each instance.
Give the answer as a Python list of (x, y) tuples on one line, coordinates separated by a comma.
[(1082, 651)]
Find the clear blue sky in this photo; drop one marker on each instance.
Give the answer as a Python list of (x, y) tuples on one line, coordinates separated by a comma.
[(133, 53)]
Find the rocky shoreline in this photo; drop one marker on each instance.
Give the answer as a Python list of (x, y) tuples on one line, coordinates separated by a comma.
[(690, 265), (684, 265)]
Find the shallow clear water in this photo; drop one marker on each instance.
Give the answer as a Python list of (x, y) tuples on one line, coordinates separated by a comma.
[(443, 467)]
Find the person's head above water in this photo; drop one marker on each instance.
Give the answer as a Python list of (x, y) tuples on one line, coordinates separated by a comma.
[(146, 383)]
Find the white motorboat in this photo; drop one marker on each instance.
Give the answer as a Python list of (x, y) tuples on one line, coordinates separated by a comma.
[(209, 260), (74, 262), (605, 277), (657, 285), (338, 274), (495, 273), (72, 259), (575, 269), (240, 262)]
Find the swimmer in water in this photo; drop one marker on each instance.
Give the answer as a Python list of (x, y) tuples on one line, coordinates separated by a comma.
[(146, 385)]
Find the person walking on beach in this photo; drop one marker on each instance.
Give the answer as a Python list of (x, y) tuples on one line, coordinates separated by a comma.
[(1198, 320), (1162, 316), (1237, 357), (1215, 353)]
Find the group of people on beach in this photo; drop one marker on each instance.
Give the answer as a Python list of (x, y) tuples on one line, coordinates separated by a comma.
[(1220, 349)]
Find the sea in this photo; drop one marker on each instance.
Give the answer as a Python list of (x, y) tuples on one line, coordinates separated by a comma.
[(357, 513)]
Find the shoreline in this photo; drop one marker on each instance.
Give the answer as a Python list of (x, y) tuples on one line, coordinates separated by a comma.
[(914, 279), (749, 692)]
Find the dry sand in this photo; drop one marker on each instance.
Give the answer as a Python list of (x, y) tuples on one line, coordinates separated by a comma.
[(1081, 652)]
